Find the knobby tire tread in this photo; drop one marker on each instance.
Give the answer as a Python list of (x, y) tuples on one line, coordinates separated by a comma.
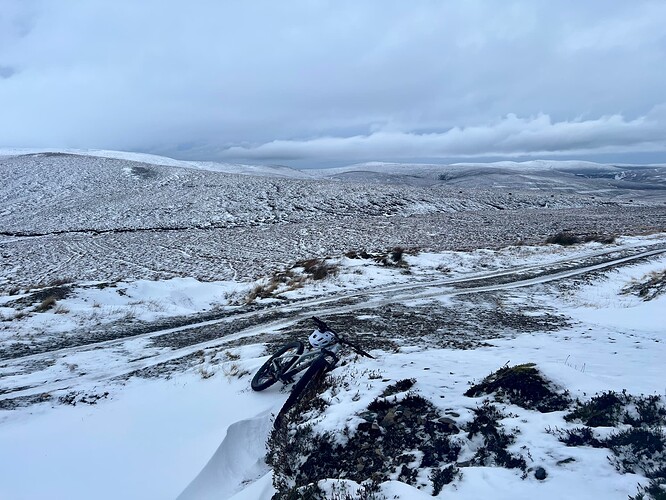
[(256, 385)]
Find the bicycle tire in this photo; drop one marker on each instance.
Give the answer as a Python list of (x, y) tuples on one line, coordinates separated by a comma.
[(266, 375), (310, 378)]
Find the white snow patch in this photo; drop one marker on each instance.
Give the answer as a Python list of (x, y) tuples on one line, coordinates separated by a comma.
[(158, 438)]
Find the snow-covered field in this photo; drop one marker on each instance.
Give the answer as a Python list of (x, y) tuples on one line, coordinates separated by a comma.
[(123, 216), (110, 434), (138, 295)]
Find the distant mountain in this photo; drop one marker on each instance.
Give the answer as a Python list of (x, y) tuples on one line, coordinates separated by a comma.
[(537, 174), (62, 191), (583, 176)]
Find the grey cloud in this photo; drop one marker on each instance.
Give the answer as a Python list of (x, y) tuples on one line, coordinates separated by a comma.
[(17, 19), (259, 77), (511, 136)]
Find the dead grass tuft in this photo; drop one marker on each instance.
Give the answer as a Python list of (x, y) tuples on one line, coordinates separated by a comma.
[(318, 269), (46, 304)]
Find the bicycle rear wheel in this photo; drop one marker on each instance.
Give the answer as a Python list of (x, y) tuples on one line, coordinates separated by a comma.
[(310, 379), (277, 364)]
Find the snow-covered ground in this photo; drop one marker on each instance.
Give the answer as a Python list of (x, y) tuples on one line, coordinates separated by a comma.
[(139, 294), (109, 216), (110, 432), (90, 304)]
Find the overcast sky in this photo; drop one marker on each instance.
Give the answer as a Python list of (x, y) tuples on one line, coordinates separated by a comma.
[(335, 82)]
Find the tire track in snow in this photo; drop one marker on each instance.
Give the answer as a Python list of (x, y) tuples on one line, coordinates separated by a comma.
[(544, 268), (302, 310)]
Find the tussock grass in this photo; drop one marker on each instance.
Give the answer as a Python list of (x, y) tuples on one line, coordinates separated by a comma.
[(46, 304)]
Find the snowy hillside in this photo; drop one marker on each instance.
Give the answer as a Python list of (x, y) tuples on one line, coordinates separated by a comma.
[(52, 192), (74, 216), (571, 176)]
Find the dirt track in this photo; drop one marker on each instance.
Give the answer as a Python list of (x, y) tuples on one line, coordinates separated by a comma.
[(478, 314)]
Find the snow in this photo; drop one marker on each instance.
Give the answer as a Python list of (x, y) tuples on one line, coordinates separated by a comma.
[(94, 304), (147, 443), (154, 439), (200, 432), (238, 460), (609, 307)]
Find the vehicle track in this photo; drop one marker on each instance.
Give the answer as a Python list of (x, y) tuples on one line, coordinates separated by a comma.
[(289, 314), (472, 281)]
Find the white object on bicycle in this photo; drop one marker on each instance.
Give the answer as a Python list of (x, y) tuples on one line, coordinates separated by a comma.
[(319, 339)]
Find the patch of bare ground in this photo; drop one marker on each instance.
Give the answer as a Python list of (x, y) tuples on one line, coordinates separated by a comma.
[(192, 336), (193, 361), (463, 325), (128, 327)]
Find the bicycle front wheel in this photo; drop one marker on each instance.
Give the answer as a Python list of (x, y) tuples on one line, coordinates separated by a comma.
[(277, 364)]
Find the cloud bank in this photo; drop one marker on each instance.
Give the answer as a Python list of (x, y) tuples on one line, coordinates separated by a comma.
[(382, 79), (510, 136)]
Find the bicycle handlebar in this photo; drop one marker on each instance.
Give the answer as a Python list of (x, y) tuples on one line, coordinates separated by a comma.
[(323, 327)]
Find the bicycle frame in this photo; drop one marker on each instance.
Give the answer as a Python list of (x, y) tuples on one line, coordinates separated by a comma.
[(291, 359), (307, 358)]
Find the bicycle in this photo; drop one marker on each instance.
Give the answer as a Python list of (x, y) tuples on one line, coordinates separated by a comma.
[(291, 359)]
